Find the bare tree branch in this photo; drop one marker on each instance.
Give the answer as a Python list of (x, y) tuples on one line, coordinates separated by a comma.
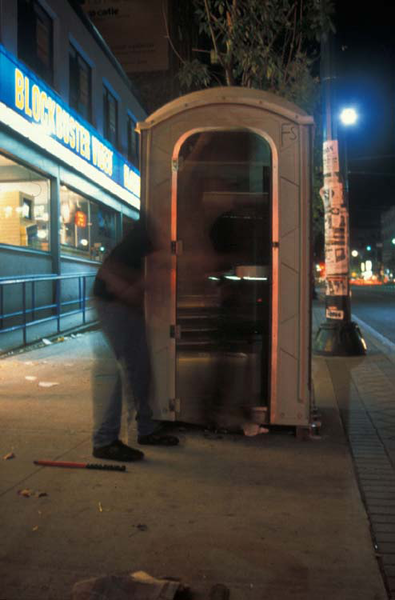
[(213, 37), (300, 26), (167, 36), (291, 45)]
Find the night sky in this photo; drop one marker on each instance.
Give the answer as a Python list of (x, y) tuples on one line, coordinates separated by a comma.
[(365, 61)]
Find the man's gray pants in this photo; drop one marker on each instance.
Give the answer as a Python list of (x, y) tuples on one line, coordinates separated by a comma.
[(126, 349)]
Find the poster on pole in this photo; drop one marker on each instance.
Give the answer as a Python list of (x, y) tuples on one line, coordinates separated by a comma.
[(336, 227), (135, 31), (332, 312), (336, 243), (332, 192), (337, 286), (336, 260), (330, 157)]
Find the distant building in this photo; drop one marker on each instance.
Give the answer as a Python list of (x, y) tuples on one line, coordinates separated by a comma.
[(366, 247), (148, 37), (69, 175), (388, 235)]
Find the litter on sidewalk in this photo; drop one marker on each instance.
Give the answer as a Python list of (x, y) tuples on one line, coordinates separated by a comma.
[(47, 384), (136, 586), (9, 456)]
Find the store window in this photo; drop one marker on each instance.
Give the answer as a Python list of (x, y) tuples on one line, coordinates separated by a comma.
[(110, 108), (24, 206), (133, 142), (87, 228), (127, 225), (35, 38), (80, 84)]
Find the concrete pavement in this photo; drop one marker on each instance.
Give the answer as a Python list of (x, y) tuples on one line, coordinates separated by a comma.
[(271, 517), (364, 389)]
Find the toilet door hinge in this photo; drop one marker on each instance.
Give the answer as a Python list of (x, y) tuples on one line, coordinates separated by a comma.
[(275, 244), (175, 331), (176, 247), (176, 164), (175, 405)]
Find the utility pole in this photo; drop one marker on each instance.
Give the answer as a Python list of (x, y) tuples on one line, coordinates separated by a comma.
[(337, 335)]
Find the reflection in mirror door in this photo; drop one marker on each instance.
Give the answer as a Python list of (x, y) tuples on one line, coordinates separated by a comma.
[(223, 292)]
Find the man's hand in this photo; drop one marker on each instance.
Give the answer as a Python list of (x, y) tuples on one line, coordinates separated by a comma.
[(126, 284)]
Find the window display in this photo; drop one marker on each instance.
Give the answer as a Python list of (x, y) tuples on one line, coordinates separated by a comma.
[(24, 206), (88, 229)]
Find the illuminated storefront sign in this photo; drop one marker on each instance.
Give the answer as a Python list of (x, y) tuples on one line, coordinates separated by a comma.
[(80, 219), (31, 108)]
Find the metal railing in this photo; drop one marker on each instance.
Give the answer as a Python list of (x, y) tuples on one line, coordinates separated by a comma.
[(30, 309)]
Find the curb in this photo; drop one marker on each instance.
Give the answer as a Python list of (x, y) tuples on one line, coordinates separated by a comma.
[(384, 344), (92, 326)]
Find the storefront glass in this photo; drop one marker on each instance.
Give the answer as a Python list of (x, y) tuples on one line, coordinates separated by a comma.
[(102, 231), (87, 229), (127, 225), (24, 206)]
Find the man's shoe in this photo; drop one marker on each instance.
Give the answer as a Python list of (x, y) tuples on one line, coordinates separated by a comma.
[(118, 451), (155, 439)]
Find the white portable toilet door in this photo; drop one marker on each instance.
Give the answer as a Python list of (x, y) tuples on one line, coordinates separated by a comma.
[(223, 276)]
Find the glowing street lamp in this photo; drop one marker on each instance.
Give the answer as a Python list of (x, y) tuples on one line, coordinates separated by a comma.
[(348, 116)]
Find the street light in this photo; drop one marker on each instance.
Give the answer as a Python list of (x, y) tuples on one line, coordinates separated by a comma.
[(337, 335), (348, 116)]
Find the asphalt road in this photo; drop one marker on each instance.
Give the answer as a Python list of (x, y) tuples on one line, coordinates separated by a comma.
[(375, 305)]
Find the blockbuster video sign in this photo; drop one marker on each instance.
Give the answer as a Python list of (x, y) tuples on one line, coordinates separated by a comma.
[(32, 109)]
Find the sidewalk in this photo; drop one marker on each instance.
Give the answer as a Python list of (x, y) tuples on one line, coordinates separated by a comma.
[(364, 389), (270, 517)]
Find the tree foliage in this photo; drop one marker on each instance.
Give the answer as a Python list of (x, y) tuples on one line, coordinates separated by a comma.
[(272, 45), (265, 44)]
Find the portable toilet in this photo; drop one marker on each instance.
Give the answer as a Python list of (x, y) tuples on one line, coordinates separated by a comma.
[(226, 183)]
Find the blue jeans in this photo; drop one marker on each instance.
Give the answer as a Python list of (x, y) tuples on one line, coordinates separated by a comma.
[(126, 348)]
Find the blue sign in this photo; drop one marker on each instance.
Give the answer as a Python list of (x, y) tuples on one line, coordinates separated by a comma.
[(32, 108)]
